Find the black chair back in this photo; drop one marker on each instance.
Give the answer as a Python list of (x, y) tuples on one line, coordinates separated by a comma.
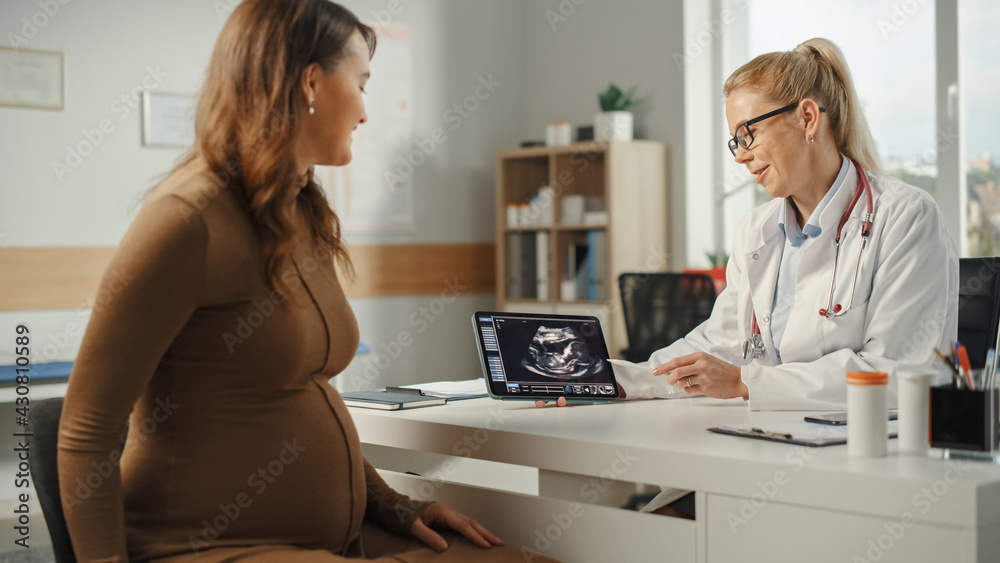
[(978, 306), (44, 420), (660, 308)]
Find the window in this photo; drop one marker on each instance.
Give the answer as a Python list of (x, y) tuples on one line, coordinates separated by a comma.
[(980, 67), (890, 51), (920, 67)]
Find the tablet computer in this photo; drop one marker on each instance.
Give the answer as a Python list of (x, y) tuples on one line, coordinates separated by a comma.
[(544, 357)]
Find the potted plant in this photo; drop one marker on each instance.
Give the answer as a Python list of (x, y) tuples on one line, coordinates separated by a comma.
[(614, 121), (717, 272)]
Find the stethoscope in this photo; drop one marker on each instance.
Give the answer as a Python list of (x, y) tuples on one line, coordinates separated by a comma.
[(753, 347)]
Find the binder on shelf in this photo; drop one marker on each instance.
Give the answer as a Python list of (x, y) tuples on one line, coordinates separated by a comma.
[(522, 266), (597, 283), (514, 273), (582, 271), (576, 270), (542, 265)]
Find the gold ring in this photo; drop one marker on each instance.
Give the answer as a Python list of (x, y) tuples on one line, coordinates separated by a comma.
[(688, 379)]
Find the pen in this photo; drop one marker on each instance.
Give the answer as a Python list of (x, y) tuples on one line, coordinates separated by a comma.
[(991, 369), (991, 358), (768, 434), (963, 359), (955, 376)]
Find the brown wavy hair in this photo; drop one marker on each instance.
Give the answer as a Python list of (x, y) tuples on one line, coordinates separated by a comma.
[(248, 112)]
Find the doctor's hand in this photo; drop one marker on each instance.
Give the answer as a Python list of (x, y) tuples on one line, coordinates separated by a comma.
[(441, 515), (704, 374)]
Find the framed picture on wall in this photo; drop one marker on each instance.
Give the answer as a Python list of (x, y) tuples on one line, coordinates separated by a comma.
[(167, 119), (32, 79)]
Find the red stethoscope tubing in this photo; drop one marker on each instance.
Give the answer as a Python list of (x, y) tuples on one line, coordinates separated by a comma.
[(866, 229)]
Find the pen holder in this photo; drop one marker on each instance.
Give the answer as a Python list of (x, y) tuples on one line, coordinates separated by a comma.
[(963, 419)]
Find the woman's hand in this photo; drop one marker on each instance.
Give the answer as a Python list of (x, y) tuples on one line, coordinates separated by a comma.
[(704, 374), (441, 515), (561, 401)]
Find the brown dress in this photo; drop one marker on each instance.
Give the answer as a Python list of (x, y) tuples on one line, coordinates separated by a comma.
[(238, 448)]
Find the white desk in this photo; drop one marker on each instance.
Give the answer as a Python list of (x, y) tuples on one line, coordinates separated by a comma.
[(756, 500)]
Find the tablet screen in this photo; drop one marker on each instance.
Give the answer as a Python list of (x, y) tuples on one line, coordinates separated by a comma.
[(529, 356)]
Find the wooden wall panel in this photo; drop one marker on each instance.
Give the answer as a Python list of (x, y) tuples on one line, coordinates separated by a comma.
[(421, 269), (67, 278)]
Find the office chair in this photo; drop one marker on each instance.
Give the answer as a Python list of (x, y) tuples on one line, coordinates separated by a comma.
[(978, 306), (659, 308), (44, 420)]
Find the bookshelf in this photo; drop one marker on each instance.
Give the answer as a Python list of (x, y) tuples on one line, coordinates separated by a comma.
[(560, 249)]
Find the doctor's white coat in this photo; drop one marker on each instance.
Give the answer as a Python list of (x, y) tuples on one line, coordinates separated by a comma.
[(905, 304)]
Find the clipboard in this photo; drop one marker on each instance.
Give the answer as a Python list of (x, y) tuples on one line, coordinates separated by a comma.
[(799, 433)]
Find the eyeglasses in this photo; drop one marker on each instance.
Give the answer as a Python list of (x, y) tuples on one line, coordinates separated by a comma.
[(744, 137)]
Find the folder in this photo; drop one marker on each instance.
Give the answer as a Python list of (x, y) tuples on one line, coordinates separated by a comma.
[(387, 401), (451, 390), (800, 433)]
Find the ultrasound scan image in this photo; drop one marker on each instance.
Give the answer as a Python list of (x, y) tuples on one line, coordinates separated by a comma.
[(560, 353)]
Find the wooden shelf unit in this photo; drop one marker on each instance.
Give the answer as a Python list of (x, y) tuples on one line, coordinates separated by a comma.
[(631, 176)]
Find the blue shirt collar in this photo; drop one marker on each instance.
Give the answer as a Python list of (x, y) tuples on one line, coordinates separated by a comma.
[(796, 235)]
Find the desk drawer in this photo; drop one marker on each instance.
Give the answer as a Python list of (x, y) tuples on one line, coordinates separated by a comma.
[(569, 531), (774, 532)]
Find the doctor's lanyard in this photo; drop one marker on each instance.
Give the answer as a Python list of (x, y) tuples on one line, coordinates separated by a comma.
[(753, 347)]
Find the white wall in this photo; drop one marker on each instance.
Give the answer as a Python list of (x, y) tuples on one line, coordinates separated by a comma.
[(455, 42), (575, 48), (544, 74), (111, 47), (110, 43)]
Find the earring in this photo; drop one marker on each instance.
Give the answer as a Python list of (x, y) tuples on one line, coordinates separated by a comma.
[(809, 138), (312, 110)]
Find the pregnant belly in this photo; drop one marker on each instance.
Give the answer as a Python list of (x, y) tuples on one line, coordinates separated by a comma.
[(284, 471)]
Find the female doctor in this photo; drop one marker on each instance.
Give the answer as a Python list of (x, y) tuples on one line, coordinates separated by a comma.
[(795, 316)]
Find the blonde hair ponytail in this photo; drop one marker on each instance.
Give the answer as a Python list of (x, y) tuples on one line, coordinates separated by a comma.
[(815, 69)]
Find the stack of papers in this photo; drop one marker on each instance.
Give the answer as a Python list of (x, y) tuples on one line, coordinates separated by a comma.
[(466, 389)]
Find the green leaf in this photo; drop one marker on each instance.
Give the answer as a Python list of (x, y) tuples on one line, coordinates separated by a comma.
[(613, 99)]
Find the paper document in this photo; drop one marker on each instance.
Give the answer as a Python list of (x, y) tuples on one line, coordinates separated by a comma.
[(467, 388)]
